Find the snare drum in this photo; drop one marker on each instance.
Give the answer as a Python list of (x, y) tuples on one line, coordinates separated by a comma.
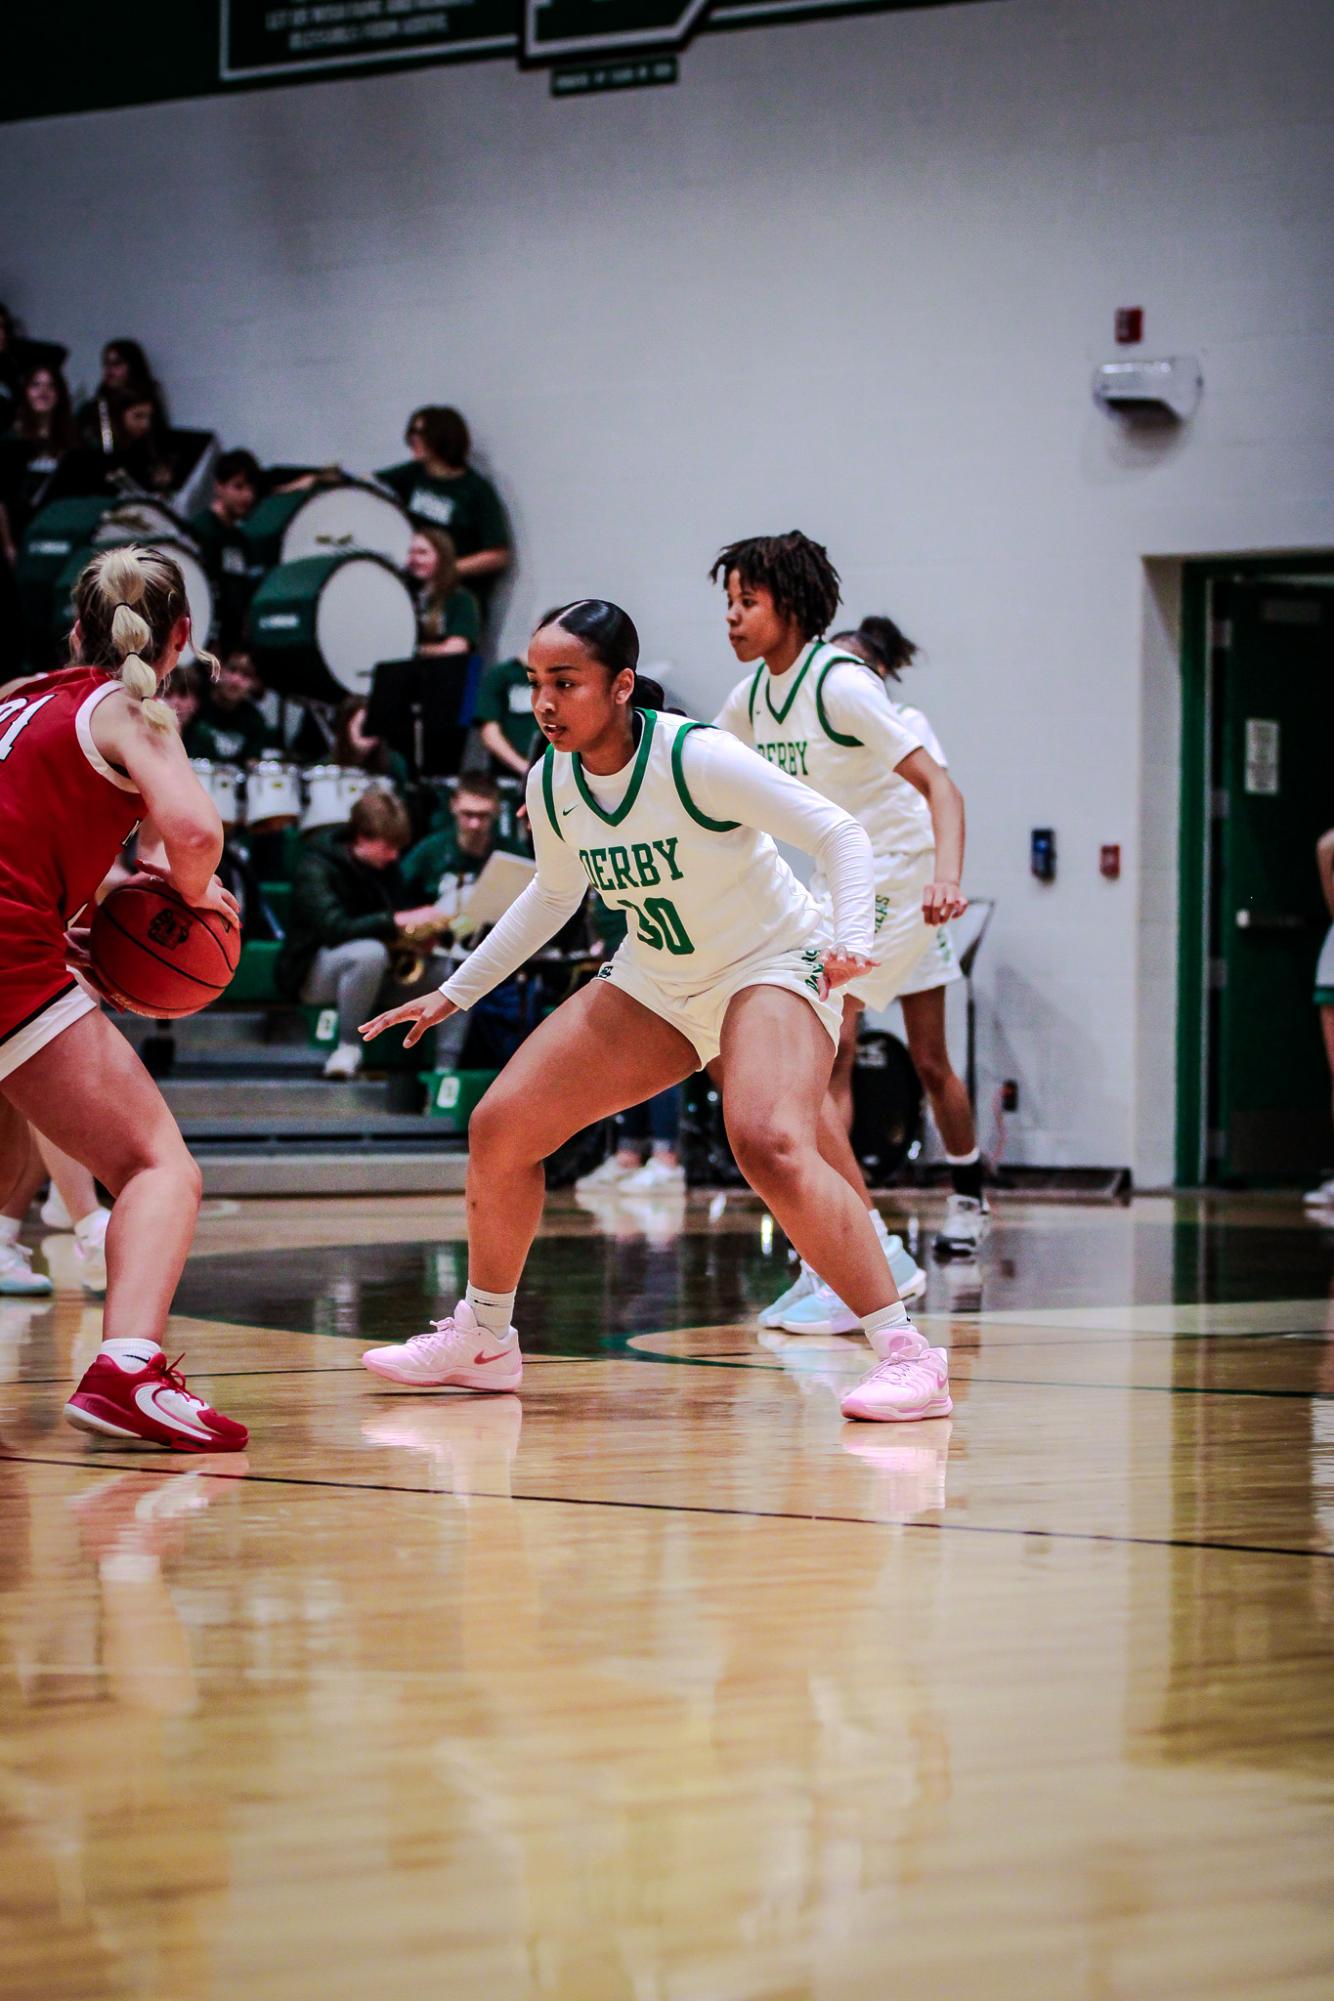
[(320, 626), (222, 782), (272, 795), (322, 519), (332, 790)]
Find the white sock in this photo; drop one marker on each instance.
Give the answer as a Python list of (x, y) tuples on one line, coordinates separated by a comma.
[(491, 1310), (878, 1225), (888, 1316), (132, 1354), (964, 1159), (9, 1229)]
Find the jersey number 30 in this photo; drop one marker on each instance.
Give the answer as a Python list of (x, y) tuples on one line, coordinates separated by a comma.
[(658, 923)]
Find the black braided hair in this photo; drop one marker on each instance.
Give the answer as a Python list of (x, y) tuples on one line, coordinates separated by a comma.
[(796, 572), (610, 636), (882, 644)]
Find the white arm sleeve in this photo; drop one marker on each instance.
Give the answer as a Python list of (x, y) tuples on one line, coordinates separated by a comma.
[(549, 901), (856, 706), (729, 782), (734, 715)]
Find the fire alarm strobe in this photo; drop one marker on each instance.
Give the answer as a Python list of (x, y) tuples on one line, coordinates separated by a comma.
[(1150, 388)]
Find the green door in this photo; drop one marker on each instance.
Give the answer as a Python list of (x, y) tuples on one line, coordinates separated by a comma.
[(1274, 795)]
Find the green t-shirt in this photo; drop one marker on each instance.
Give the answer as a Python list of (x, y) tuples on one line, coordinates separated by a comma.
[(504, 697), (437, 867), (240, 733), (462, 620), (200, 741), (467, 505)]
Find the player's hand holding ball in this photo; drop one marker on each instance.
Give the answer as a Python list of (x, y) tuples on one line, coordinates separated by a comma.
[(942, 902), (427, 1012)]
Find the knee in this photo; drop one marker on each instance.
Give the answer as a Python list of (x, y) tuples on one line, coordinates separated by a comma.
[(495, 1131), (769, 1151), (366, 955)]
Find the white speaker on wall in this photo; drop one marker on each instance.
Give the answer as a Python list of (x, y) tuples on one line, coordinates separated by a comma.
[(1150, 388)]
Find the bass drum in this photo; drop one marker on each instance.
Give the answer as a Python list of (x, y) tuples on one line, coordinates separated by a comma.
[(198, 584), (320, 626), (64, 529), (351, 515), (144, 520), (886, 1106)]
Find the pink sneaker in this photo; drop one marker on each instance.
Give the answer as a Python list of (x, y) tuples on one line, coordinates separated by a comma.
[(913, 1381), (457, 1354)]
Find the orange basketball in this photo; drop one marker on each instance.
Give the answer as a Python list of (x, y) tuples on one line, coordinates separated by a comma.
[(156, 954)]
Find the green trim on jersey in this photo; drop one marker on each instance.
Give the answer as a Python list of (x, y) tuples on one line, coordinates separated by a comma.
[(700, 819), (755, 691), (548, 789), (615, 817), (798, 676), (836, 736)]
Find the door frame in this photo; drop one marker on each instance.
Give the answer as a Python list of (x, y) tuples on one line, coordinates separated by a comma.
[(1199, 577)]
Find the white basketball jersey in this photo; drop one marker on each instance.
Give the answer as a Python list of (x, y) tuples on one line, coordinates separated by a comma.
[(701, 896), (790, 725)]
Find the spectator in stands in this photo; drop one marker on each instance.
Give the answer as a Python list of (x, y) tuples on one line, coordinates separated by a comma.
[(504, 714), (217, 528), (441, 490), (184, 696), (125, 375), (440, 870), (43, 435), (230, 709), (448, 618), (142, 457), (349, 904), (356, 750)]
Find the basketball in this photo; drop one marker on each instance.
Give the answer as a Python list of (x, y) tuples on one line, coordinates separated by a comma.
[(156, 954)]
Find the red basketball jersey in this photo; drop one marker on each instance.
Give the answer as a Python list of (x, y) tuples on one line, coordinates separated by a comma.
[(65, 813)]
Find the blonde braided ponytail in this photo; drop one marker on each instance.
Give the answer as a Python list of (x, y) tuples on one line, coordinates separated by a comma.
[(128, 600)]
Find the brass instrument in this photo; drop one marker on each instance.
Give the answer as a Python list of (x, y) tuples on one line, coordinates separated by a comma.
[(412, 947)]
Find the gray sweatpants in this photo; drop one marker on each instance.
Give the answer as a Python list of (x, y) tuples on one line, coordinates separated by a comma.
[(355, 978)]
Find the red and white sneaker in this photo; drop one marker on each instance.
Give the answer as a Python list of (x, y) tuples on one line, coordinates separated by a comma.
[(457, 1354), (912, 1381), (131, 1391)]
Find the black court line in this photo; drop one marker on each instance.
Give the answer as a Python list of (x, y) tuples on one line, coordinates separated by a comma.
[(686, 1508), (759, 1365)]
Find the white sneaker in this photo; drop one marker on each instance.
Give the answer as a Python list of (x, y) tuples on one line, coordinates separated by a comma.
[(53, 1211), (802, 1286), (610, 1175), (821, 1312), (17, 1276), (345, 1061), (964, 1229), (655, 1177), (458, 1353), (90, 1248), (913, 1381), (1317, 1198)]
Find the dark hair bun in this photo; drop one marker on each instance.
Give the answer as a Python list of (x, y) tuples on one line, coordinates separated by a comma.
[(647, 694)]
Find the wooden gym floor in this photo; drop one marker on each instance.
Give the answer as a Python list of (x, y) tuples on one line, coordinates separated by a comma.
[(662, 1683)]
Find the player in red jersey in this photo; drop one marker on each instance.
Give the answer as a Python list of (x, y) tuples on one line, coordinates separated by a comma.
[(86, 755)]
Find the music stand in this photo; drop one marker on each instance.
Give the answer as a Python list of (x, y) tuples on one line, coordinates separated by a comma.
[(422, 708), (985, 908)]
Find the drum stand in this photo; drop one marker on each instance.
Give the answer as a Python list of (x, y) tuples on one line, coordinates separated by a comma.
[(967, 960)]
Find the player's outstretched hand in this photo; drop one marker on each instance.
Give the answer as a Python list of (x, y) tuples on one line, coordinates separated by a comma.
[(840, 967), (425, 1013), (942, 902)]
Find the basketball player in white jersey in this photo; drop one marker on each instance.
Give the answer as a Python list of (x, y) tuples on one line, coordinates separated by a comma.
[(821, 714), (887, 651), (726, 959)]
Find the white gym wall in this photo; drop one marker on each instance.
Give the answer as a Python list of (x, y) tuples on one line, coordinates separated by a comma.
[(851, 277)]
